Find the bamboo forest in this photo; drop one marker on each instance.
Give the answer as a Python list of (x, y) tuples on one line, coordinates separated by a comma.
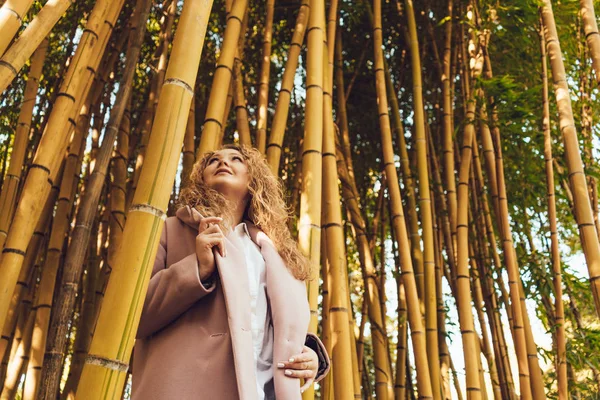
[(439, 160)]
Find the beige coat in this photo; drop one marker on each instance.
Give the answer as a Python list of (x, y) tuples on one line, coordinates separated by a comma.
[(196, 343)]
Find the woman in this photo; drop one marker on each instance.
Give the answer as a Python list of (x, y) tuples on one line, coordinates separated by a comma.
[(226, 314)]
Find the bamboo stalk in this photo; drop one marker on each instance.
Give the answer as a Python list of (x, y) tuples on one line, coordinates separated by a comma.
[(44, 168), (409, 184), (189, 153), (263, 83), (577, 179), (336, 255), (239, 97), (285, 93), (214, 121), (592, 37), (106, 365), (8, 197), (309, 226), (11, 17), (430, 292), (30, 258), (560, 360), (17, 55), (423, 376), (469, 336)]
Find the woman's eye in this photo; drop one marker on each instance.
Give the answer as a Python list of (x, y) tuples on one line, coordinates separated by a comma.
[(212, 160), (238, 158)]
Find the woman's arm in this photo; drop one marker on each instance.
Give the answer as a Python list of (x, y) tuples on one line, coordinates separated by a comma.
[(172, 290)]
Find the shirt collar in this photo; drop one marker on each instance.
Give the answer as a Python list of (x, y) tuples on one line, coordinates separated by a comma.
[(242, 228)]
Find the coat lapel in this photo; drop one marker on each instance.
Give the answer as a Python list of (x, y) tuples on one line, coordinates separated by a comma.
[(290, 312), (234, 282)]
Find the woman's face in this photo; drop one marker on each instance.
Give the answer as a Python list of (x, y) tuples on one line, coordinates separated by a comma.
[(227, 172)]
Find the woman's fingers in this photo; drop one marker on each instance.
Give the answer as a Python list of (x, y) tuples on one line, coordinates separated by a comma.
[(207, 222), (216, 240), (306, 385)]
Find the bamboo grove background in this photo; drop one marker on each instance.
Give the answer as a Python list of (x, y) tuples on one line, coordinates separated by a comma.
[(440, 161)]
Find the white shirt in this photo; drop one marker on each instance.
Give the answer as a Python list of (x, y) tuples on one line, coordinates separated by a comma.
[(262, 328)]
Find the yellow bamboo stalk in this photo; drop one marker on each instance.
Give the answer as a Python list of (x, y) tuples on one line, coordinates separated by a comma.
[(8, 197), (11, 17), (213, 122), (535, 372), (285, 93), (430, 293), (15, 57), (20, 362), (53, 144), (263, 83), (309, 225), (467, 327), (419, 345), (402, 351), (189, 154), (409, 184), (106, 366), (592, 37), (239, 96), (513, 279), (401, 345), (225, 119), (21, 340), (448, 110), (336, 256), (30, 258), (486, 348), (577, 179), (560, 360), (327, 388)]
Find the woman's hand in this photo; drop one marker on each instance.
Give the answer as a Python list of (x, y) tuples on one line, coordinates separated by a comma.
[(209, 236), (304, 365)]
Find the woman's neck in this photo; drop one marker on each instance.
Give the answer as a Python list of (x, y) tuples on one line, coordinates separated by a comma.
[(238, 211)]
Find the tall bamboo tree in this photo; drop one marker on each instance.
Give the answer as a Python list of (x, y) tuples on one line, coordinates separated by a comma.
[(420, 140), (577, 180), (8, 196), (263, 86), (214, 120), (560, 360)]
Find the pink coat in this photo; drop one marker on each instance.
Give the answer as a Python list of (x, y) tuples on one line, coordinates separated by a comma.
[(196, 343)]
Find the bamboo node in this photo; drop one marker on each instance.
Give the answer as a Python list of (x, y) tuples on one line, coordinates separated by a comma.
[(179, 82), (114, 365), (148, 209)]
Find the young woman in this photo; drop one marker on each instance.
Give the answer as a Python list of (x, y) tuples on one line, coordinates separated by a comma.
[(226, 313)]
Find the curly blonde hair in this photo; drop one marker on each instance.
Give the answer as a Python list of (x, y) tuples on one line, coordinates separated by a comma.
[(266, 207)]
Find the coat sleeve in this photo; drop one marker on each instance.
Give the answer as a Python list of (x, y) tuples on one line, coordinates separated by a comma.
[(172, 290), (318, 347)]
